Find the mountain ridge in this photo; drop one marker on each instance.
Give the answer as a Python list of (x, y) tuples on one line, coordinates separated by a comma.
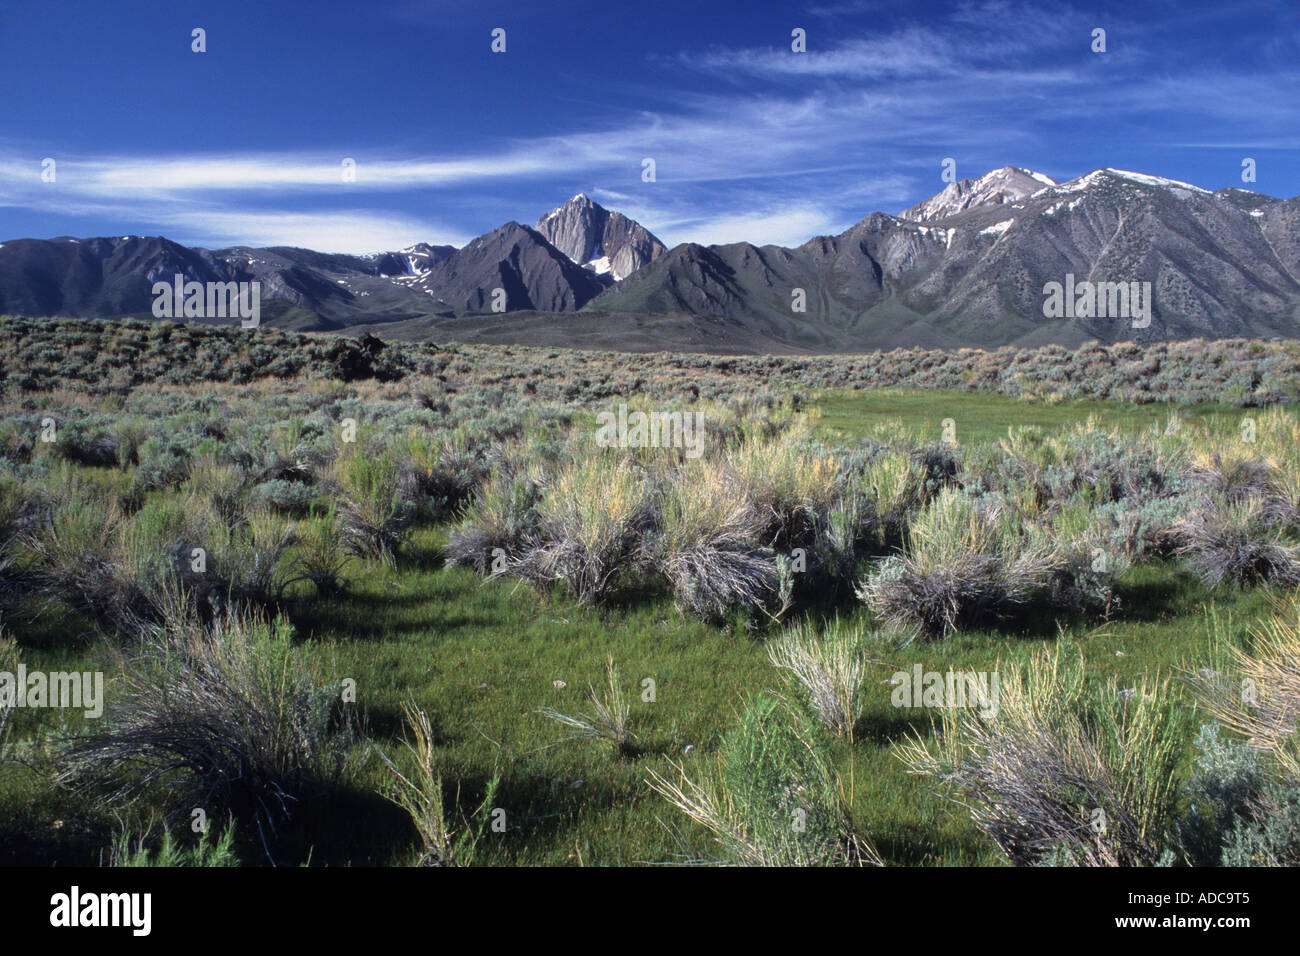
[(967, 266)]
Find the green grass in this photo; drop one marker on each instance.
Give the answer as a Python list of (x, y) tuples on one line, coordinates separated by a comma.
[(985, 416), (482, 658)]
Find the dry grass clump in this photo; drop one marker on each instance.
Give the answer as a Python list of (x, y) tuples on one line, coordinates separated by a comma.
[(1232, 475), (501, 522), (77, 558), (966, 564), (1060, 775), (791, 484), (710, 546)]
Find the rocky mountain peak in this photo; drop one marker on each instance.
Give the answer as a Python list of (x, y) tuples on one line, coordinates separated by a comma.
[(605, 243), (996, 187)]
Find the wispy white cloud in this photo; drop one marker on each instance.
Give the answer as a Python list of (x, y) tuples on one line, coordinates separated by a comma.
[(352, 231), (798, 144)]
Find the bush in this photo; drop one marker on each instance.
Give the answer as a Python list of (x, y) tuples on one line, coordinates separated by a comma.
[(503, 516), (377, 508), (1060, 776), (591, 520), (1236, 543), (78, 559), (223, 487), (966, 564), (19, 509), (773, 799), (1270, 836), (709, 547), (322, 559), (286, 497), (1227, 780), (221, 716)]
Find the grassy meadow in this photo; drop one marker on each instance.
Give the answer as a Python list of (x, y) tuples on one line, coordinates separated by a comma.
[(404, 608)]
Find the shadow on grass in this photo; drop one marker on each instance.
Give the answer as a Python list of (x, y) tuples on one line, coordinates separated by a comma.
[(895, 725), (535, 807), (1152, 598), (339, 826), (909, 844)]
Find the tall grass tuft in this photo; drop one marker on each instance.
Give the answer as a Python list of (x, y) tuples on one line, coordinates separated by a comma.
[(419, 793), (609, 719), (829, 668), (208, 851), (323, 558), (1261, 701), (376, 506), (773, 798)]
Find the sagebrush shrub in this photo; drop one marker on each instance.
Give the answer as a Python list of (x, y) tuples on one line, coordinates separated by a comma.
[(1061, 774), (591, 519), (376, 506), (502, 519), (220, 715), (710, 545), (1235, 542), (773, 798)]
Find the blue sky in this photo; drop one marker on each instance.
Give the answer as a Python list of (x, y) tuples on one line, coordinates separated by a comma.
[(244, 143)]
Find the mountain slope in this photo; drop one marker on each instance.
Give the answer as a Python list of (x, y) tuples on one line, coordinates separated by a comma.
[(520, 261), (93, 277)]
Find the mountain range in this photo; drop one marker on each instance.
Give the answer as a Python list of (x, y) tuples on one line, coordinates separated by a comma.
[(966, 267)]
